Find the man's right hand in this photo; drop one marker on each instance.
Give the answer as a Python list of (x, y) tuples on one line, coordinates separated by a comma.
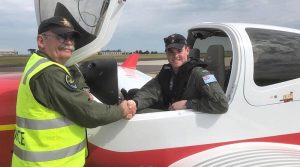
[(129, 109)]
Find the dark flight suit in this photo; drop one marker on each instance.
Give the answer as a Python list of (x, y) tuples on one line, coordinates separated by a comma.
[(192, 83), (68, 95)]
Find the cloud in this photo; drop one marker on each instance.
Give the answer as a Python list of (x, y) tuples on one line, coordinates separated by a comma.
[(146, 20), (12, 6), (17, 25), (145, 23)]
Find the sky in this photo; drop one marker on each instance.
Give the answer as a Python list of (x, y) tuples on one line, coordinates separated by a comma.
[(144, 23)]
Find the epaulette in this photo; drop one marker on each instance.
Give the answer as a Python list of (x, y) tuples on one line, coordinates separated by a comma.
[(166, 67)]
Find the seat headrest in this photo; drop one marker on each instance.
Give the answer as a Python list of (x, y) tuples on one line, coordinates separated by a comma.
[(194, 54)]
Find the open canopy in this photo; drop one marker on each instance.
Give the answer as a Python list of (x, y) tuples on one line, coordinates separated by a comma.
[(96, 20)]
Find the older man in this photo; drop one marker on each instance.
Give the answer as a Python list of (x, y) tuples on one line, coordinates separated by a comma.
[(53, 108)]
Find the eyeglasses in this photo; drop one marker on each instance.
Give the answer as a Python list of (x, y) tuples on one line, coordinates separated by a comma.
[(61, 37)]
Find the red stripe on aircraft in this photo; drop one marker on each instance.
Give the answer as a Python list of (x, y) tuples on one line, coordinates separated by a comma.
[(8, 96), (165, 157), (6, 143)]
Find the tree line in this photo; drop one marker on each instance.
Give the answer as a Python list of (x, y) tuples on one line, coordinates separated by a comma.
[(124, 52)]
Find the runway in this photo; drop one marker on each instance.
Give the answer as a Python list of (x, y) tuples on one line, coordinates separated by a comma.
[(149, 67)]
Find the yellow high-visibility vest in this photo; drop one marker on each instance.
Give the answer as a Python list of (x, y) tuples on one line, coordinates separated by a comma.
[(44, 137)]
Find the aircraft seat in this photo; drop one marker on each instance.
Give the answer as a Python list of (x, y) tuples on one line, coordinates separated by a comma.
[(215, 62), (194, 54)]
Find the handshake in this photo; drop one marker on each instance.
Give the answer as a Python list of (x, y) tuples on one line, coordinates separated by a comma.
[(129, 108)]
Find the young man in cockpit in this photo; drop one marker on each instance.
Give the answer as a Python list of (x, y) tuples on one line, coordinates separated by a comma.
[(182, 84)]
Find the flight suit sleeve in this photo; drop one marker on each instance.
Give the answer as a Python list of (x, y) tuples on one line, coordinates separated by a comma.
[(148, 95), (213, 100), (53, 89), (78, 77)]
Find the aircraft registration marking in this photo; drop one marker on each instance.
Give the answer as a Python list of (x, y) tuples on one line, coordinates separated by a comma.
[(7, 127)]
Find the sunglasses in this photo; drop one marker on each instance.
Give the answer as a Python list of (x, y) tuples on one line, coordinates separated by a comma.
[(61, 37), (169, 41)]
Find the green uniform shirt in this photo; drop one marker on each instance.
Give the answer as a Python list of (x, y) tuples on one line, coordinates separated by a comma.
[(201, 96), (54, 89)]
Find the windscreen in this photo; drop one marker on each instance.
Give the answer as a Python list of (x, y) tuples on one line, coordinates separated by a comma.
[(96, 20)]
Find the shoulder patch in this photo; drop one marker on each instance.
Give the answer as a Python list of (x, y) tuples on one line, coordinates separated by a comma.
[(209, 79), (70, 82)]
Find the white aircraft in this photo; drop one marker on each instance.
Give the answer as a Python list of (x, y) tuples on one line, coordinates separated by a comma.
[(257, 65)]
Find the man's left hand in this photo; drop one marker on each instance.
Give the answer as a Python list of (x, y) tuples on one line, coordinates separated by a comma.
[(179, 105)]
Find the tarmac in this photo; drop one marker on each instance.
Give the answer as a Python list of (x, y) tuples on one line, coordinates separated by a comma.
[(149, 67)]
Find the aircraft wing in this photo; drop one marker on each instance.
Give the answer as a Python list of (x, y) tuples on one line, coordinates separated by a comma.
[(106, 78), (129, 77)]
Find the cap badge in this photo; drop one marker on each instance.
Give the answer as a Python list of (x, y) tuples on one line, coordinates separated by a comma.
[(66, 23)]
